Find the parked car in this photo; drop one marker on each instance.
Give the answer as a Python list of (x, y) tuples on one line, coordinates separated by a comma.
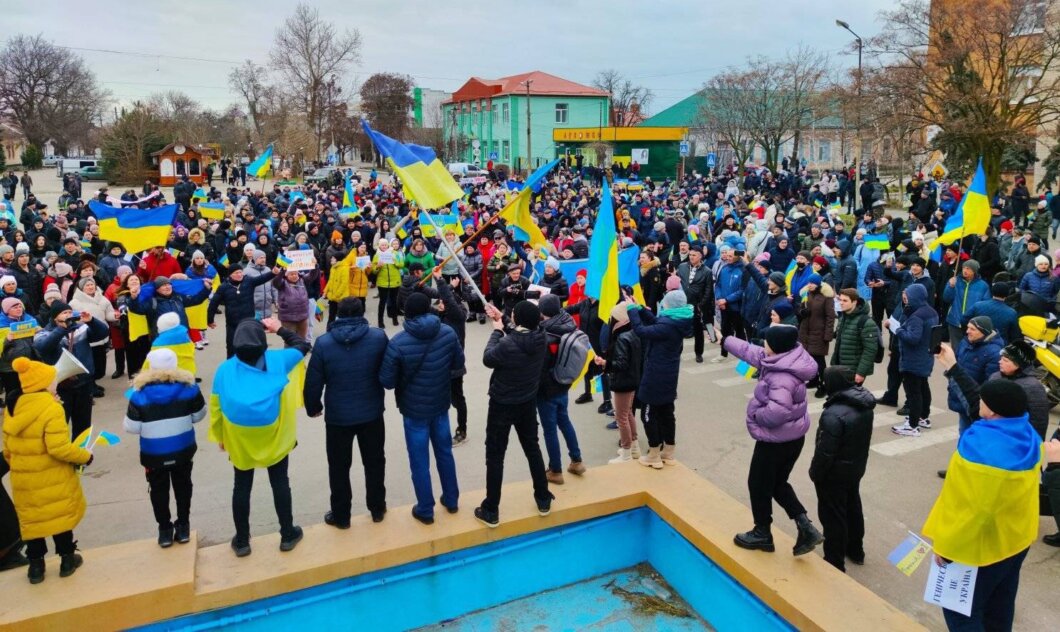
[(67, 165), (322, 175), (92, 173), (466, 169)]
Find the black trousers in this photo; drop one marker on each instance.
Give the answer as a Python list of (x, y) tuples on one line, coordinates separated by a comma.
[(388, 302), (500, 419), (660, 424), (159, 481), (771, 464), (281, 498), (77, 402), (119, 360), (333, 311), (879, 304), (1051, 483), (697, 330), (99, 362), (339, 442), (894, 376), (817, 381), (731, 325), (456, 394), (917, 397), (839, 508), (37, 548), (136, 352)]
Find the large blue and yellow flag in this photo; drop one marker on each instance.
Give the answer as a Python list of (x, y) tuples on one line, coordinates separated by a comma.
[(629, 271), (212, 210), (135, 228), (422, 174), (260, 167), (972, 215), (602, 280), (988, 508), (349, 204), (517, 213)]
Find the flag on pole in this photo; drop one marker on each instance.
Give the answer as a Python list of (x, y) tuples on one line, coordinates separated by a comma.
[(602, 281), (972, 215), (261, 166), (909, 553), (789, 275), (212, 210), (744, 369), (283, 260), (422, 174)]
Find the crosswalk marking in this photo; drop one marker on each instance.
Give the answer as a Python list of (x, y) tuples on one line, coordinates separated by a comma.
[(701, 369), (927, 438), (734, 381), (893, 418)]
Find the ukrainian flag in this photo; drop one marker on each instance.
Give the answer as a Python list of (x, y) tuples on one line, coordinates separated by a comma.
[(136, 229), (877, 242), (177, 341), (629, 272), (212, 210), (349, 204), (602, 281), (789, 274), (260, 167), (423, 175), (972, 215), (257, 426), (283, 260), (448, 220), (987, 510), (517, 212)]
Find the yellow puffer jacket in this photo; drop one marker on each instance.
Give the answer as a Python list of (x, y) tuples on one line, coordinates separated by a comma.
[(44, 482), (346, 279)]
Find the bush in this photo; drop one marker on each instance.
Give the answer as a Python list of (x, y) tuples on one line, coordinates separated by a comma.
[(32, 158)]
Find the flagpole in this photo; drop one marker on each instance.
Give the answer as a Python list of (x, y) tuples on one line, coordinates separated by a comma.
[(470, 240), (459, 263)]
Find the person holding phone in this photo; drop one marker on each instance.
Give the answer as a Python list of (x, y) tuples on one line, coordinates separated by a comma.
[(914, 332)]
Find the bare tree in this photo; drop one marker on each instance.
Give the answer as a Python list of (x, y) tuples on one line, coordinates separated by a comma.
[(996, 73), (48, 91), (721, 116), (628, 101), (308, 50), (386, 100), (249, 83)]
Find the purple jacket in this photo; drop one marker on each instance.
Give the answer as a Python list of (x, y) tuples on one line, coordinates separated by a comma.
[(777, 412), (292, 299)]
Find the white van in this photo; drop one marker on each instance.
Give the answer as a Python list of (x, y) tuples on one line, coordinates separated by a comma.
[(73, 165)]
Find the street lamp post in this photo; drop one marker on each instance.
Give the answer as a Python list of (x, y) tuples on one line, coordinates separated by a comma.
[(527, 83), (857, 38)]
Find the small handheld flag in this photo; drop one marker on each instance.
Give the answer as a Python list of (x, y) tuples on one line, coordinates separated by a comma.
[(877, 242), (283, 261), (909, 553), (105, 438), (744, 369), (82, 439)]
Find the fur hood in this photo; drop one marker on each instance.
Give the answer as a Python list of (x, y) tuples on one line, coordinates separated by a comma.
[(153, 376)]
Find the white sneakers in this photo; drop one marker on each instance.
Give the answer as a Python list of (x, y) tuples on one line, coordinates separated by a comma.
[(718, 360), (905, 430)]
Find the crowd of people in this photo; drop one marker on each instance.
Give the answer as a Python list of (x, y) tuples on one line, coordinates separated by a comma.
[(783, 269)]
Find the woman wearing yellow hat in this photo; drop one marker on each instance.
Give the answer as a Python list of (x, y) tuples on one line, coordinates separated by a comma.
[(44, 483)]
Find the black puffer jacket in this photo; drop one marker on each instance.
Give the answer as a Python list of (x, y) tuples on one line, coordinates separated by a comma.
[(843, 437), (516, 359), (625, 360)]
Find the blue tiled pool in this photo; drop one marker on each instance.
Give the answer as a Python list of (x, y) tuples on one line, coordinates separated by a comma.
[(461, 589)]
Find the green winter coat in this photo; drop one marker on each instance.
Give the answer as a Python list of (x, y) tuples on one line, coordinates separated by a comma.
[(853, 347)]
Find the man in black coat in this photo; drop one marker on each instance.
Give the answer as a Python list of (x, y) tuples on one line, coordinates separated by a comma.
[(839, 459), (697, 282), (237, 296)]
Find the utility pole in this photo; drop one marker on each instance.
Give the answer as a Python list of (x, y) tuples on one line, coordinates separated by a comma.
[(528, 154), (857, 156)]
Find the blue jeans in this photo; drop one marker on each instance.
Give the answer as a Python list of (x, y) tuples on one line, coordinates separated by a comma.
[(419, 433), (553, 414)]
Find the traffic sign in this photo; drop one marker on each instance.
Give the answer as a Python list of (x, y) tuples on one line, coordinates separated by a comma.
[(684, 148), (493, 155), (711, 160)]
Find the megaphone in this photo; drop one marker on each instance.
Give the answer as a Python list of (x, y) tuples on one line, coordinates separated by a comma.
[(67, 367)]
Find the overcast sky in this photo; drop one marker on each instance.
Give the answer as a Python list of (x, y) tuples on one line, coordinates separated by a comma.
[(669, 46)]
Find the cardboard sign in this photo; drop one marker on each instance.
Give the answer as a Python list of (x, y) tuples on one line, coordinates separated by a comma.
[(300, 260), (951, 586), (364, 262)]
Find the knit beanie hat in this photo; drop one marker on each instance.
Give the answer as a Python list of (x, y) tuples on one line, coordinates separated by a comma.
[(762, 258), (52, 292), (782, 338), (582, 273), (526, 315), (1004, 397), (1039, 260), (814, 278), (973, 265), (417, 304), (4, 249), (673, 282), (63, 269), (1001, 289), (22, 248), (80, 284), (620, 314), (58, 307), (674, 299), (167, 321), (162, 280), (7, 278), (32, 375), (162, 358), (552, 263), (9, 303), (983, 324), (549, 305), (198, 254), (778, 279), (783, 309)]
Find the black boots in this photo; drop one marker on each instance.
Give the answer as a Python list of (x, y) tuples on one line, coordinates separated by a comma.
[(36, 571), (757, 539), (69, 564), (809, 537), (165, 535)]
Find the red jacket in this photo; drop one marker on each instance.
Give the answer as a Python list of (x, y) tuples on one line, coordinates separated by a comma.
[(152, 266)]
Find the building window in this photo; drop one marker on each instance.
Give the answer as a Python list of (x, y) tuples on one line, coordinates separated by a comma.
[(181, 169), (505, 151), (824, 151), (1031, 18), (494, 109), (561, 112), (505, 115), (193, 166)]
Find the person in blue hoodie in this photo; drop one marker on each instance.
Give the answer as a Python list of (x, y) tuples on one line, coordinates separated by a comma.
[(961, 294), (915, 359), (164, 403), (418, 364), (663, 337), (728, 295)]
